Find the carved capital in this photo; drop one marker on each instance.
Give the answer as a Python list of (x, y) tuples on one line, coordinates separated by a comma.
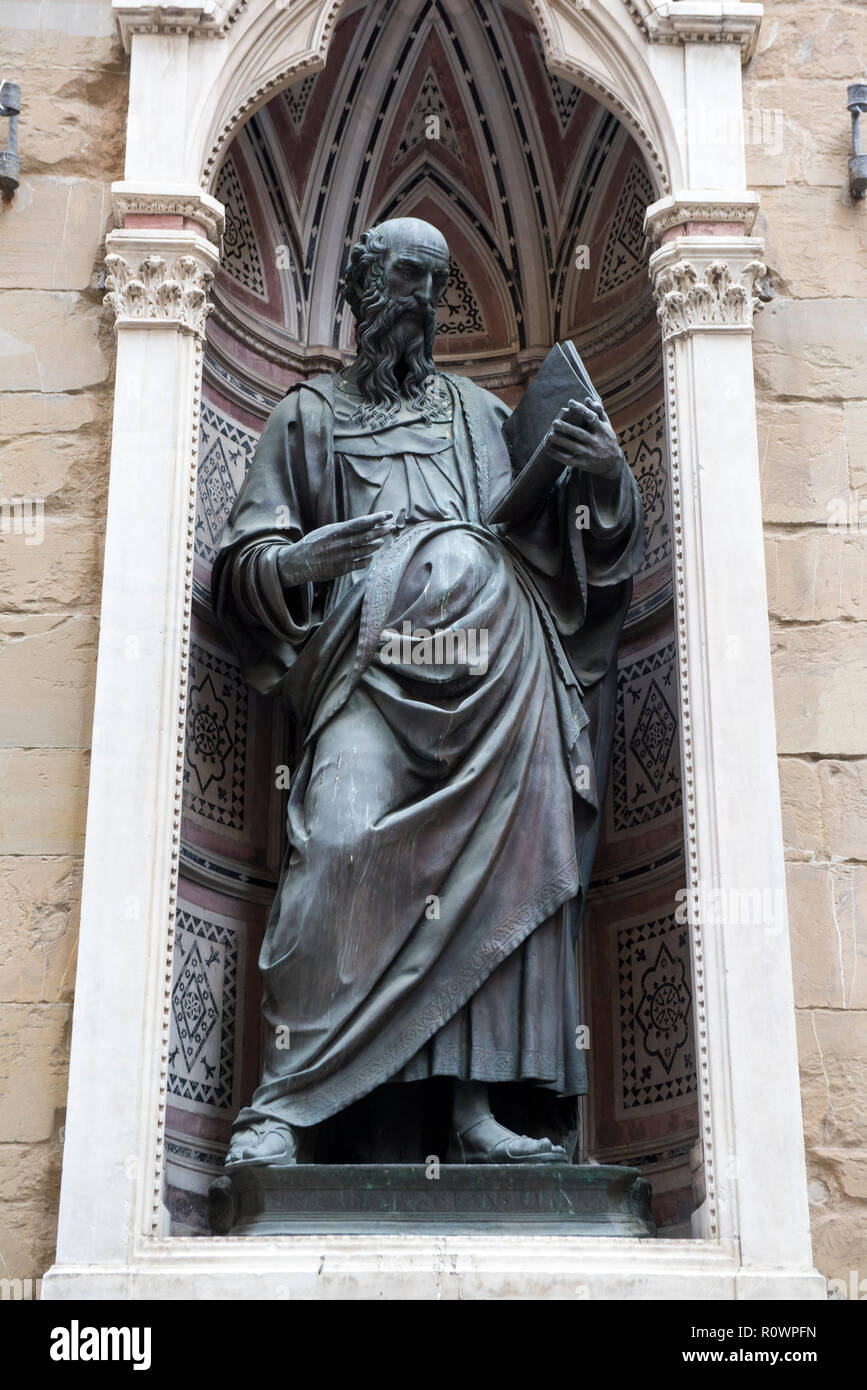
[(702, 283), (163, 283)]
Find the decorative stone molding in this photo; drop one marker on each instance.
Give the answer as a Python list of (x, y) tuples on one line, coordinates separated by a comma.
[(209, 18), (707, 282), (167, 200), (680, 209), (700, 21), (674, 21), (162, 280)]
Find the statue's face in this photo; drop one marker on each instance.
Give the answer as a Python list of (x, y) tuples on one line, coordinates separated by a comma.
[(415, 263), (398, 277)]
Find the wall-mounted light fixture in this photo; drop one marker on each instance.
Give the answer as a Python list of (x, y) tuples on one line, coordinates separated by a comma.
[(10, 163), (856, 93)]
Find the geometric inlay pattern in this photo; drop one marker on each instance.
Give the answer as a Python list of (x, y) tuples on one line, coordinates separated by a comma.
[(241, 257), (225, 453), (459, 311), (194, 1007), (622, 257), (564, 95), (644, 445), (204, 1004), (656, 1047), (653, 736), (429, 102), (296, 98), (216, 743), (645, 759)]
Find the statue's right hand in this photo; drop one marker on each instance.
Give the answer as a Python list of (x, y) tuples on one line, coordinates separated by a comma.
[(334, 549)]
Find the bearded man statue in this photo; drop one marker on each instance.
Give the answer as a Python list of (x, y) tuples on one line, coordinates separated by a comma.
[(444, 804)]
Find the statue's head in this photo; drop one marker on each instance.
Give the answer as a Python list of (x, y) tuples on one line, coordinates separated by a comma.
[(396, 274)]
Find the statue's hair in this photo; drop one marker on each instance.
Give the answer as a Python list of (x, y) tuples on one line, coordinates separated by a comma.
[(363, 278)]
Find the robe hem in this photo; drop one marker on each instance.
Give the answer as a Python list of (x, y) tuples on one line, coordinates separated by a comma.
[(341, 1091)]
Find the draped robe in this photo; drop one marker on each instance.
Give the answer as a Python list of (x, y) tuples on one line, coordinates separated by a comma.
[(442, 816)]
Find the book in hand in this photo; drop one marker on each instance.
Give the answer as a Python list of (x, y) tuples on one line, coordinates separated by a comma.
[(561, 378)]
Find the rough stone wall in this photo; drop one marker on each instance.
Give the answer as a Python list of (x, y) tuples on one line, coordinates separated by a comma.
[(56, 353), (811, 375), (56, 365)]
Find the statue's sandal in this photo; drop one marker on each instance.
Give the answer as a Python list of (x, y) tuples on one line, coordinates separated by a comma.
[(501, 1151)]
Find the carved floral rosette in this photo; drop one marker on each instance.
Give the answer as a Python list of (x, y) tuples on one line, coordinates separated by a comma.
[(711, 297), (156, 292)]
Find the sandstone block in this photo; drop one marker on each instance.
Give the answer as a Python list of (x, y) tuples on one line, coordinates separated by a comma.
[(843, 792), (816, 575), (28, 1238), (59, 572), (55, 34), (832, 1056), (53, 341), (26, 412), (801, 801), (823, 808), (809, 42), (802, 453), (34, 1061), (47, 674), (76, 121), (815, 348), (51, 233), (30, 1172), (855, 434), (68, 472), (829, 954), (795, 135), (43, 800), (849, 1167), (41, 902), (838, 1249), (812, 240), (819, 677)]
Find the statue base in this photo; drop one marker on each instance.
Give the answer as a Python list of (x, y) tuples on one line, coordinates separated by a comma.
[(354, 1199)]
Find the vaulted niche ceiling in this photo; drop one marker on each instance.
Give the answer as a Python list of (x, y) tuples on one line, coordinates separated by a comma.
[(452, 117)]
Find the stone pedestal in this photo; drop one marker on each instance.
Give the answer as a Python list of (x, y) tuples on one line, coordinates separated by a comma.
[(350, 1199)]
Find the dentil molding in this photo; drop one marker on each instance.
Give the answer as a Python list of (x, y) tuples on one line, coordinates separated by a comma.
[(163, 278), (700, 21), (710, 206), (710, 282), (209, 18), (169, 200), (668, 21)]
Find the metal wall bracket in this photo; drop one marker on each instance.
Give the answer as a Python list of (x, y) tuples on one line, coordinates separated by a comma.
[(10, 162), (856, 94)]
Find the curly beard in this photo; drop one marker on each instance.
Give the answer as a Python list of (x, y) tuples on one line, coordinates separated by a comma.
[(386, 360)]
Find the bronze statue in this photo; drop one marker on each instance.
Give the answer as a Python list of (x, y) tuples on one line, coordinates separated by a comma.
[(450, 682)]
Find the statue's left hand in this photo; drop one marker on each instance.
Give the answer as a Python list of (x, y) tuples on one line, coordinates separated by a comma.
[(585, 440)]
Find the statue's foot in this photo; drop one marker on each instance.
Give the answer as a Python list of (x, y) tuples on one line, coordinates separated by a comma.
[(263, 1141), (487, 1141)]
